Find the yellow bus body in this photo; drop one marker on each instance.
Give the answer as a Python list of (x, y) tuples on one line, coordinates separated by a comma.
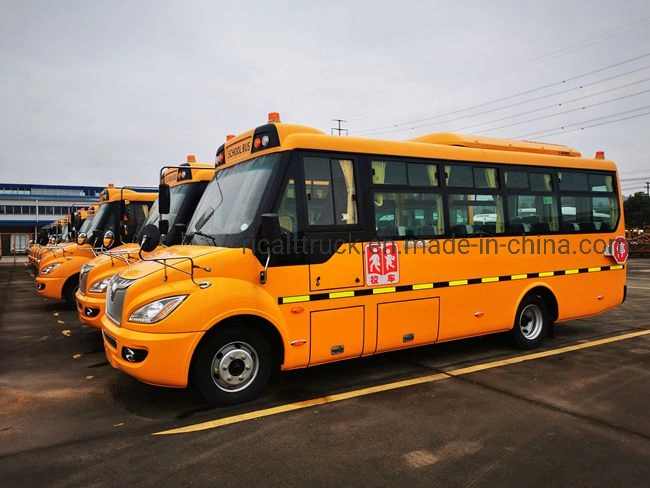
[(317, 313), (91, 304)]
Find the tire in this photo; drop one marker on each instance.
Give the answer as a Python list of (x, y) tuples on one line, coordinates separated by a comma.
[(69, 289), (243, 357), (531, 323)]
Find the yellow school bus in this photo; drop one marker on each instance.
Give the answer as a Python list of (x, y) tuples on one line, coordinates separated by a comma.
[(180, 189), (308, 248), (121, 213), (45, 247)]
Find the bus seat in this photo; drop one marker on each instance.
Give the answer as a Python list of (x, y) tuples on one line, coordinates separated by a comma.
[(519, 228), (570, 227), (390, 231), (460, 230), (541, 228), (587, 226), (488, 228), (426, 230), (605, 226)]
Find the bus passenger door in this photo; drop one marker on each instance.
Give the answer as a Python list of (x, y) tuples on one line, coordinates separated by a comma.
[(332, 236)]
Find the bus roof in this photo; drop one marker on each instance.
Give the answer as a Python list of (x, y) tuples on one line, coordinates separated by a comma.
[(187, 173), (455, 147), (493, 143), (112, 194)]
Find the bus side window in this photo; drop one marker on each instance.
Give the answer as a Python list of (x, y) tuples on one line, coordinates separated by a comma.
[(330, 191), (287, 210), (136, 214)]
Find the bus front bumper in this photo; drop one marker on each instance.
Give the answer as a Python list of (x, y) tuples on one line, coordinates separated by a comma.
[(157, 359), (49, 287), (90, 309)]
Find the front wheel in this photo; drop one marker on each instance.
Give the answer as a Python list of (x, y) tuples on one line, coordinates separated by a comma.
[(69, 289), (232, 366), (531, 323)]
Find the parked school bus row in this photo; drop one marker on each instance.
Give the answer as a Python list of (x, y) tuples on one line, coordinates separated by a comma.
[(258, 285), (180, 189)]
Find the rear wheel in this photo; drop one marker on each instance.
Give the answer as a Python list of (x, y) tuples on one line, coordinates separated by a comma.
[(531, 323), (232, 366)]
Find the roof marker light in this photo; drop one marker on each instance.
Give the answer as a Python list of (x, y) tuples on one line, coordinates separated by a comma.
[(230, 136), (191, 158), (600, 154), (274, 117)]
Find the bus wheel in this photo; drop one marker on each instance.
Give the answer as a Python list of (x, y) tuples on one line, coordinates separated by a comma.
[(232, 366), (69, 289), (531, 323)]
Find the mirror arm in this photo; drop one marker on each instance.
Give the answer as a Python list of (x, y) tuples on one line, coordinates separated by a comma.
[(264, 272)]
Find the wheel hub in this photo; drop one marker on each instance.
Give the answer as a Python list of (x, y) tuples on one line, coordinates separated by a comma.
[(234, 366)]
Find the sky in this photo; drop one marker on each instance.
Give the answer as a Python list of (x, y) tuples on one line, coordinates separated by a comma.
[(96, 92)]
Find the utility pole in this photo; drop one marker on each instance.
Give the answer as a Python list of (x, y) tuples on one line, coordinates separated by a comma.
[(340, 130), (647, 188)]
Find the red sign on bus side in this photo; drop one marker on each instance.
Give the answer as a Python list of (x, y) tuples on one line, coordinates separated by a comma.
[(620, 249), (382, 263)]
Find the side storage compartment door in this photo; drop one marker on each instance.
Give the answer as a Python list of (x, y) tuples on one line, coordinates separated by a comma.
[(407, 323), (336, 334)]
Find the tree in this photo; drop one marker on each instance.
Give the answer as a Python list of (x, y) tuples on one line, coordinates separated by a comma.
[(637, 210)]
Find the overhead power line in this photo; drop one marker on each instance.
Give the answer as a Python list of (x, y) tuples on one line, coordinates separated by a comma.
[(565, 129), (554, 105), (398, 127), (533, 62)]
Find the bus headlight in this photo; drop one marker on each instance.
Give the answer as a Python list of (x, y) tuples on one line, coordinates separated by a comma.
[(49, 268), (156, 311), (100, 286)]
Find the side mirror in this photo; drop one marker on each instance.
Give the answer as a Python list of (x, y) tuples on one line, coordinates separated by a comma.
[(163, 226), (270, 226), (164, 199), (270, 232), (109, 239), (82, 238), (149, 238)]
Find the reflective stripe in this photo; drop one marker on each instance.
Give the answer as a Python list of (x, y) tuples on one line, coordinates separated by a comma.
[(301, 298), (424, 286), (458, 283), (439, 284), (342, 294), (389, 289)]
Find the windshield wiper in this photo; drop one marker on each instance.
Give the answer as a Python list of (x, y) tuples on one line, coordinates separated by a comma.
[(202, 234)]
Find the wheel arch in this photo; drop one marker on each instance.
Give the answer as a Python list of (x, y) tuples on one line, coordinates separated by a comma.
[(547, 296), (268, 330)]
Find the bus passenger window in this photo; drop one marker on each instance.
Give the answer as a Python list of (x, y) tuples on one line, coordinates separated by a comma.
[(330, 191), (408, 214)]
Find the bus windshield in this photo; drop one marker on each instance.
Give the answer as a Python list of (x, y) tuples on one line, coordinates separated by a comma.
[(87, 223), (104, 218), (230, 203)]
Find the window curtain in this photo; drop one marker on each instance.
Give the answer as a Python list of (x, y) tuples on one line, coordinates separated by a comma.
[(378, 178), (348, 175), (498, 200), (432, 173)]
